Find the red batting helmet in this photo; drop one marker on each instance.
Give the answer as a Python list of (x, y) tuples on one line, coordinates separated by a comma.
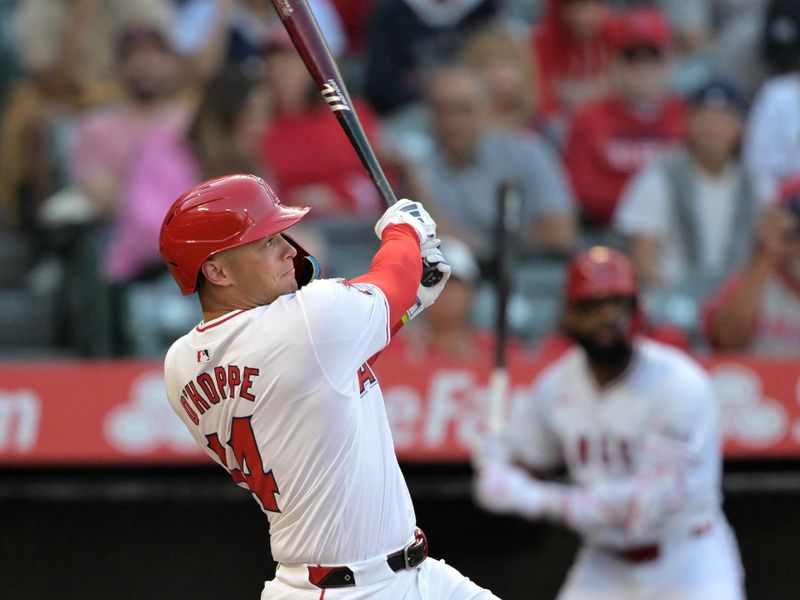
[(224, 213), (600, 271)]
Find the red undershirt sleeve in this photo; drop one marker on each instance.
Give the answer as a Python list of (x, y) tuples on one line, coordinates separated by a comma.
[(396, 270)]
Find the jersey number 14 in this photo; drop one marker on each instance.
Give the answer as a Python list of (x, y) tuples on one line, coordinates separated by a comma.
[(249, 469)]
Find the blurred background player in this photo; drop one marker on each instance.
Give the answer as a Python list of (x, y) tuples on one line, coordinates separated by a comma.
[(275, 384), (637, 426)]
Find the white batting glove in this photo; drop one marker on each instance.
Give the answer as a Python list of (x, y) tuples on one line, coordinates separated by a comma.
[(504, 489), (426, 296), (410, 213)]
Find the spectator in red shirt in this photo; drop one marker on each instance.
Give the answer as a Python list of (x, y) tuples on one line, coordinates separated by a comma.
[(612, 138), (572, 56), (306, 149), (758, 309)]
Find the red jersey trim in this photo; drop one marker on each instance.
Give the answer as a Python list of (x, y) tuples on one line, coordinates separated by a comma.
[(219, 320)]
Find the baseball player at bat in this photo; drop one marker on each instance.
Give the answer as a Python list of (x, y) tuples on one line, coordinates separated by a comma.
[(637, 426), (275, 384)]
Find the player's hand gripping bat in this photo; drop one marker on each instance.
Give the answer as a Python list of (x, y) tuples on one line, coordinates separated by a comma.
[(509, 208), (310, 43)]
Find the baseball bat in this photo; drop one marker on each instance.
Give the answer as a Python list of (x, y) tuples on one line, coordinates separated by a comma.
[(307, 38), (509, 206)]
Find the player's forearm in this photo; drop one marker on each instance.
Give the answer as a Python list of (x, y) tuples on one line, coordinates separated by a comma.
[(636, 505), (396, 269)]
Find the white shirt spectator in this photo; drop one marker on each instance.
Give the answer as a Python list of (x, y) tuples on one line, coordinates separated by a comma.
[(772, 139), (197, 17), (647, 209)]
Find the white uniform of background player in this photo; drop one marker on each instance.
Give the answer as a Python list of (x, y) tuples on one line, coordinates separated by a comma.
[(641, 447), (282, 396)]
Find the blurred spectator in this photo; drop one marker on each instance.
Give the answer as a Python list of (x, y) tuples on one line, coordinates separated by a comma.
[(504, 64), (692, 213), (758, 309), (221, 139), (407, 37), (612, 138), (471, 160), (106, 144), (571, 54), (772, 141), (218, 32), (107, 139), (309, 154), (737, 42), (66, 49)]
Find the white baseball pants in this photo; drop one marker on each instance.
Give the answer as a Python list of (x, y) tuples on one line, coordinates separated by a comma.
[(431, 580), (699, 568)]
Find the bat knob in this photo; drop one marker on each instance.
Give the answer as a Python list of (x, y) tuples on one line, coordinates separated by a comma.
[(431, 275)]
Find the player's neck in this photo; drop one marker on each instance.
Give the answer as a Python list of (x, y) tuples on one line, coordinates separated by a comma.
[(214, 307)]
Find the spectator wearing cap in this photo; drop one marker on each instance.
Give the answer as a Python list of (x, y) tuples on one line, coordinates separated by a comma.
[(612, 138), (691, 213), (758, 308), (571, 55), (772, 138)]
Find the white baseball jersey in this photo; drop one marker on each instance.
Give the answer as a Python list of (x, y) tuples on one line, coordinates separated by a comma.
[(660, 417), (282, 397)]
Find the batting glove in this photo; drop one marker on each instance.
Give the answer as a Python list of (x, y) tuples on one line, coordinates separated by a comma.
[(431, 255), (505, 489), (410, 213)]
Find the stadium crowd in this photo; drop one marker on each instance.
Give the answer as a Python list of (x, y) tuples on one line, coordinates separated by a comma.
[(666, 128)]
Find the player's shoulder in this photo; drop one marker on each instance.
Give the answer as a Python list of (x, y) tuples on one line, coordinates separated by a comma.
[(329, 290), (669, 363), (560, 371)]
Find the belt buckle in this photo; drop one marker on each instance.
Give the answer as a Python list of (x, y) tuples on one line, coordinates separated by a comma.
[(406, 550), (420, 541)]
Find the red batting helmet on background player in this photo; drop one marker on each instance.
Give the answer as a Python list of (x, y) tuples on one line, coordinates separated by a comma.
[(224, 213), (600, 272)]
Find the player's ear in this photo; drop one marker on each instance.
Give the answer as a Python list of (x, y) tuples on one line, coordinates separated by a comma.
[(216, 272)]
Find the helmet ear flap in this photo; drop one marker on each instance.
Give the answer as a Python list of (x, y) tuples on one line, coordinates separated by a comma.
[(306, 267)]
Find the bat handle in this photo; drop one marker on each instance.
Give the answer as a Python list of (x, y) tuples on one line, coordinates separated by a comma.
[(430, 274)]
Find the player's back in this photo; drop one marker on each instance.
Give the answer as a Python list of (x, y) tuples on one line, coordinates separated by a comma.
[(281, 396)]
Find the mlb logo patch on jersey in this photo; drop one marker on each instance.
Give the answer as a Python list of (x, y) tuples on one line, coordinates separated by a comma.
[(203, 356)]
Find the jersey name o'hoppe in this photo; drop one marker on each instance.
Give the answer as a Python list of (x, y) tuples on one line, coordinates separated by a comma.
[(209, 388)]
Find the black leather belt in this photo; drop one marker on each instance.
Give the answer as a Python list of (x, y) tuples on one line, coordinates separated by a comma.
[(407, 558), (410, 556)]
